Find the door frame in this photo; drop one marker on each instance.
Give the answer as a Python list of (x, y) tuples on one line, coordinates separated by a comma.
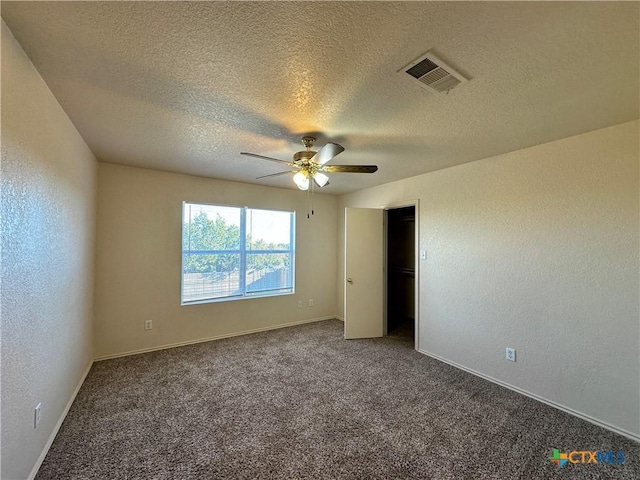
[(392, 206)]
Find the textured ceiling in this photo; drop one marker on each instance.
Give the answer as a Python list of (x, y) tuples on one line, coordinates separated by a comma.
[(186, 86)]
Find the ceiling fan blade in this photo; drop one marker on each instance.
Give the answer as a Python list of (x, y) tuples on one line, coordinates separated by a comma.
[(350, 168), (290, 164), (275, 174), (327, 152)]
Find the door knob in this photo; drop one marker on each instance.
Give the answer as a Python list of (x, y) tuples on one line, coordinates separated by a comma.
[(350, 280)]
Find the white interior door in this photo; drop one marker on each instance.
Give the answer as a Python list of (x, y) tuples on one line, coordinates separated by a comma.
[(364, 273)]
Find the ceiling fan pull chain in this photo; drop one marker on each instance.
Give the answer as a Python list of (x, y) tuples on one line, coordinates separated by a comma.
[(308, 201), (311, 195)]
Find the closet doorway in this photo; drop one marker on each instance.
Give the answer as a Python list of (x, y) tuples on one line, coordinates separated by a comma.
[(401, 276)]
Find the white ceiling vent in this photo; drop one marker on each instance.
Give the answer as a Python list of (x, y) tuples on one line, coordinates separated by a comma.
[(432, 74)]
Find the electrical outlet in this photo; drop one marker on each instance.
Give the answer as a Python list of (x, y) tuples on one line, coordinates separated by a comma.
[(311, 302), (37, 414), (148, 324), (423, 254), (299, 303), (511, 354)]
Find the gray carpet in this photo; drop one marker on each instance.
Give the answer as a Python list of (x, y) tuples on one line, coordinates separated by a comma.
[(301, 402)]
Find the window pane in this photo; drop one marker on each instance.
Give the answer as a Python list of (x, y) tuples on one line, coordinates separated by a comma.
[(269, 266), (269, 272), (210, 276), (208, 232), (211, 227), (268, 230)]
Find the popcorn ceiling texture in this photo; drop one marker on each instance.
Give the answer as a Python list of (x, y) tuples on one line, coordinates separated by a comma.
[(187, 86), (537, 250), (48, 222)]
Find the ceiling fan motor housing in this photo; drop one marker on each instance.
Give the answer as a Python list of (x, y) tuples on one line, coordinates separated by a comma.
[(308, 142), (302, 156)]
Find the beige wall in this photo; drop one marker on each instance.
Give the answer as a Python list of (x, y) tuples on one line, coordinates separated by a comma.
[(538, 250), (48, 221), (138, 261)]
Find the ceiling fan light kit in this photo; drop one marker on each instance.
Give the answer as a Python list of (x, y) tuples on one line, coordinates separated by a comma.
[(321, 179), (301, 180)]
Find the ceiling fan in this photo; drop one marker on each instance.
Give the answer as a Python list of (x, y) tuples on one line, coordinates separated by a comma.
[(308, 165)]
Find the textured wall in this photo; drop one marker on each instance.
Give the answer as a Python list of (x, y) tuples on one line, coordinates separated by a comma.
[(538, 250), (138, 261), (48, 223)]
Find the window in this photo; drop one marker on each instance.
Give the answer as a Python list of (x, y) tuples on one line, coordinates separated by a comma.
[(235, 252)]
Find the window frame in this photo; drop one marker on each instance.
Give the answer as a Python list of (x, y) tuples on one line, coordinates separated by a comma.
[(242, 251)]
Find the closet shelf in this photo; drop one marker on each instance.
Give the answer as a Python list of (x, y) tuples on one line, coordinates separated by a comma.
[(403, 271)]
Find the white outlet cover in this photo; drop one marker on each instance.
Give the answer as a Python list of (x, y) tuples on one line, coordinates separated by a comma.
[(511, 354)]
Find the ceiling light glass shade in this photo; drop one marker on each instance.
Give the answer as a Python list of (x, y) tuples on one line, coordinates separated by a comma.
[(321, 179), (301, 180)]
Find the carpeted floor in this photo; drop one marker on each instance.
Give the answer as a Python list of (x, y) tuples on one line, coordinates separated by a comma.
[(301, 402)]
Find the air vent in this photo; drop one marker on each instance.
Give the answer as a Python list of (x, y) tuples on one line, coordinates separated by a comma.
[(432, 74)]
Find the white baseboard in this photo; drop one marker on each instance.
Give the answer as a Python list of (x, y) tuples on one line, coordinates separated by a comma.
[(52, 437), (340, 318), (630, 435), (209, 339)]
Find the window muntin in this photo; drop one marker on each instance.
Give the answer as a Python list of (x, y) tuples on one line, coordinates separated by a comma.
[(235, 252)]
